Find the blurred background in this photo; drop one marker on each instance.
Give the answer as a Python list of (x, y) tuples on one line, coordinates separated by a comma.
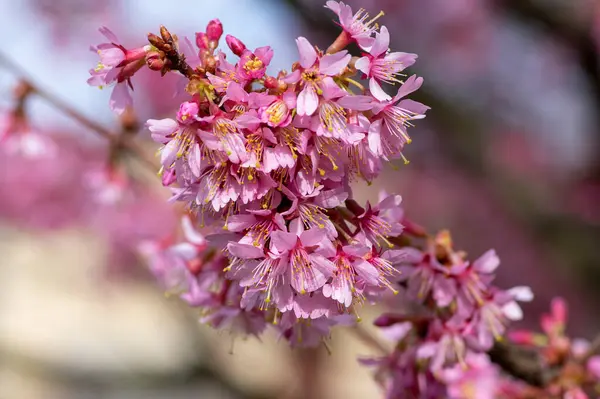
[(508, 158)]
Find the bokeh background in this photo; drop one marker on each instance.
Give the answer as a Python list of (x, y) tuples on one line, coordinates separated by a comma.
[(507, 158)]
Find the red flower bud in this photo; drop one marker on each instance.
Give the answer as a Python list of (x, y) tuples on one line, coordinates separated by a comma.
[(271, 83), (235, 45), (202, 40), (214, 30)]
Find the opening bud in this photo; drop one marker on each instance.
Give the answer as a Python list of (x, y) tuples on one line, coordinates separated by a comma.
[(155, 60), (214, 30), (235, 44)]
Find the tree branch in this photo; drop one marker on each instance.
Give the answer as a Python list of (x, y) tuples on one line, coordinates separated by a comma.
[(71, 112), (522, 363)]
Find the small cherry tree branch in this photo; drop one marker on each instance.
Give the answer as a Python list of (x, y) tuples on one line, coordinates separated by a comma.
[(74, 114), (517, 361)]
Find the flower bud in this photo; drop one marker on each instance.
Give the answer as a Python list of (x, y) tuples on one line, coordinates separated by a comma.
[(195, 266), (166, 35), (271, 82), (136, 54), (202, 40), (168, 177), (155, 40), (235, 44), (187, 112), (155, 61), (214, 30)]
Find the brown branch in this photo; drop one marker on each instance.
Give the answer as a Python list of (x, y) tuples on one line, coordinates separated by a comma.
[(172, 60), (368, 339), (522, 363)]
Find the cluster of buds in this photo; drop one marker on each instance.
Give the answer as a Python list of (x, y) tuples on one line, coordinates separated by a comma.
[(164, 55)]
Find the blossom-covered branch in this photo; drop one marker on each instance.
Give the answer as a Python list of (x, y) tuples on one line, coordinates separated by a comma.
[(264, 163)]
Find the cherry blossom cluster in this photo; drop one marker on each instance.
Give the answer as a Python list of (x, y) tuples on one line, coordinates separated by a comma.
[(269, 159)]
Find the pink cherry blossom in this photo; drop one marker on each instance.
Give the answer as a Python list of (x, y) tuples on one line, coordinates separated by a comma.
[(253, 65), (116, 66), (379, 222), (388, 133), (357, 26), (381, 66), (314, 69)]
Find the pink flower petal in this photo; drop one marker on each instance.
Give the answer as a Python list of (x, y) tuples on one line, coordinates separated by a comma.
[(333, 64), (414, 107), (313, 237), (265, 54), (367, 272), (308, 54), (308, 101), (293, 77), (195, 160), (322, 264), (120, 98), (245, 251), (374, 138), (512, 311), (356, 102), (282, 241), (331, 90), (160, 128), (108, 34), (237, 223), (521, 293), (487, 263), (412, 84), (377, 91), (382, 42), (363, 64), (333, 6)]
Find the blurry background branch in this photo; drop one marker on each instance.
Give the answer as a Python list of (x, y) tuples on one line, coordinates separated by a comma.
[(575, 32), (120, 141)]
